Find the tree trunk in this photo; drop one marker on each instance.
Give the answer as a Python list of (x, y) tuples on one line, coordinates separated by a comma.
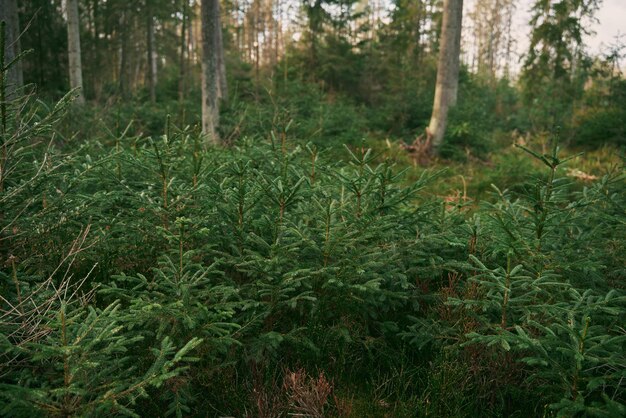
[(12, 48), (152, 63), (509, 39), (73, 49), (210, 35), (257, 46), (183, 50), (124, 67), (447, 71), (97, 73), (276, 16), (222, 85)]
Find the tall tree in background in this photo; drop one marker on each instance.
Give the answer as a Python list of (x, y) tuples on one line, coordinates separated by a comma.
[(316, 16), (184, 49), (447, 71), (552, 76), (222, 86), (95, 53), (73, 49), (8, 14), (491, 36), (409, 22), (210, 14), (125, 28), (151, 50)]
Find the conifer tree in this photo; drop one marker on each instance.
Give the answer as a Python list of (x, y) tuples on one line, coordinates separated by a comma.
[(550, 76)]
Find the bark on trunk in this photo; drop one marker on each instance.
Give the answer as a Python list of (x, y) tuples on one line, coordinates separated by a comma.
[(124, 69), (210, 36), (447, 71), (12, 48), (183, 50), (97, 73), (257, 44), (73, 49), (152, 63), (221, 63)]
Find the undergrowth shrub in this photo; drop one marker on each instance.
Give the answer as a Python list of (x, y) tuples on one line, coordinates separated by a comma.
[(303, 109), (599, 121), (62, 354), (538, 303), (151, 274), (250, 249), (600, 126), (482, 112)]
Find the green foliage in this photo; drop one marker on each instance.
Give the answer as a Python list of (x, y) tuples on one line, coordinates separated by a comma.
[(86, 363), (601, 119), (249, 249), (555, 68), (482, 112), (600, 127), (298, 109), (62, 355), (545, 312), (142, 273)]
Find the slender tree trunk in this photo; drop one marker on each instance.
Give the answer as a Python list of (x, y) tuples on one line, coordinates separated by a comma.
[(447, 71), (97, 73), (152, 70), (509, 39), (183, 48), (417, 49), (124, 74), (222, 85), (73, 49), (276, 25), (210, 36), (257, 58), (249, 32), (40, 50), (12, 48), (271, 32), (138, 72)]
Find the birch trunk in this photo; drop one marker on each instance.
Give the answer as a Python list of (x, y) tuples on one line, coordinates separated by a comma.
[(447, 71), (73, 49)]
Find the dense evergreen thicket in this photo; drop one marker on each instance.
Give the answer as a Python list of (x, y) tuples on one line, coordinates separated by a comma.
[(150, 275), (312, 252)]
